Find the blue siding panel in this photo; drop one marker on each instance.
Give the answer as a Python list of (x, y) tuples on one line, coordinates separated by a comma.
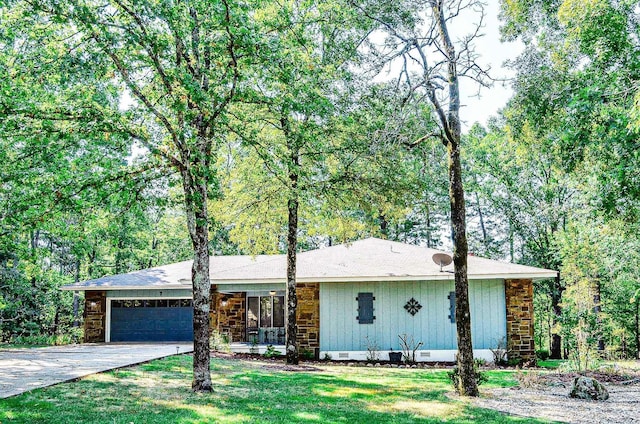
[(340, 330)]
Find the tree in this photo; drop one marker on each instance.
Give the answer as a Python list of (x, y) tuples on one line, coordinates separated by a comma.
[(181, 65), (287, 121), (413, 31)]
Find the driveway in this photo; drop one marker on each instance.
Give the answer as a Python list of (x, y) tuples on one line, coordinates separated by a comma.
[(22, 370)]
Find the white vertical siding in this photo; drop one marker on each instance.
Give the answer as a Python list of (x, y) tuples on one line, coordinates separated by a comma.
[(339, 329)]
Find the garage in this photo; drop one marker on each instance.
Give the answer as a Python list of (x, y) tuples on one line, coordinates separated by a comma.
[(151, 320)]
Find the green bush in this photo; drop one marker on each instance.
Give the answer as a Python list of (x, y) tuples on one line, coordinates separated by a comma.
[(307, 354), (454, 376), (542, 354), (219, 342), (271, 352)]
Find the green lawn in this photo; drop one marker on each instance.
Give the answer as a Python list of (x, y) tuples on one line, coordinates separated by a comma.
[(250, 391), (551, 363)]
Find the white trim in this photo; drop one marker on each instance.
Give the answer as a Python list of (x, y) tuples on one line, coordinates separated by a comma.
[(445, 276), (107, 319), (116, 287), (425, 355)]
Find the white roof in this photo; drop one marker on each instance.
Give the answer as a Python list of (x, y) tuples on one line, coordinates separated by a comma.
[(370, 259)]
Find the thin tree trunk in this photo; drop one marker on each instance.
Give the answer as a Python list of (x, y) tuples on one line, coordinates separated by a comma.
[(292, 353), (481, 217), (467, 385), (556, 340), (195, 189), (76, 297), (292, 297), (637, 328), (384, 226), (597, 310)]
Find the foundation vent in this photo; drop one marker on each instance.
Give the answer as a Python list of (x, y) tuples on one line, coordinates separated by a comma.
[(343, 355), (425, 354)]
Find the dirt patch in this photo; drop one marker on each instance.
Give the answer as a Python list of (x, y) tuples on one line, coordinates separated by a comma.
[(276, 363), (546, 396)]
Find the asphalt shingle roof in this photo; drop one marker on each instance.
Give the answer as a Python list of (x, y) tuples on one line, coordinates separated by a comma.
[(370, 259)]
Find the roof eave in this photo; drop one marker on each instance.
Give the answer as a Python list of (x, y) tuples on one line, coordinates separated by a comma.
[(444, 276), (97, 288)]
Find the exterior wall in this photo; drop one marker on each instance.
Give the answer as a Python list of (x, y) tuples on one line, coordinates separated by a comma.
[(341, 331), (229, 319), (308, 315), (519, 297), (95, 314)]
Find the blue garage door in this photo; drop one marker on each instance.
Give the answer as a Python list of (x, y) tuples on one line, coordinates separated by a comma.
[(154, 320)]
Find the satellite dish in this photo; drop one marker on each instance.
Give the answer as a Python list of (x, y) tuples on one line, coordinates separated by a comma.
[(442, 259)]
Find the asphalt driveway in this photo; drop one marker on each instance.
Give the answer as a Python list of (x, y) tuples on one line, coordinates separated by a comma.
[(22, 370)]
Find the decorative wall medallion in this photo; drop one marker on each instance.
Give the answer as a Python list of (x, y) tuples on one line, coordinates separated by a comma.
[(413, 306)]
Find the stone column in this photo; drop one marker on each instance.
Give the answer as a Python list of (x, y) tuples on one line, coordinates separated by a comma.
[(519, 301), (95, 316), (308, 316), (230, 318)]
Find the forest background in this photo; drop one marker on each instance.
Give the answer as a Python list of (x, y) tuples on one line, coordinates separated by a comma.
[(552, 181)]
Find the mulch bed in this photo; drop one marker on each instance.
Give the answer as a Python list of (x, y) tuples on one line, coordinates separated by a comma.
[(545, 396)]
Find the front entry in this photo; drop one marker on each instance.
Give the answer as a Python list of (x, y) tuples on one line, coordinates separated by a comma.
[(265, 318)]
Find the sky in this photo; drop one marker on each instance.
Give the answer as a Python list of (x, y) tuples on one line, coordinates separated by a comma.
[(492, 52)]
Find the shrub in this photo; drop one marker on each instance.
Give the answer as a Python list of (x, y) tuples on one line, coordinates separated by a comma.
[(479, 362), (542, 354), (271, 352), (219, 342), (373, 350), (454, 376), (307, 354)]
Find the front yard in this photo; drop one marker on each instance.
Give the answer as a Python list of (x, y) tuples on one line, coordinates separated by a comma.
[(256, 392)]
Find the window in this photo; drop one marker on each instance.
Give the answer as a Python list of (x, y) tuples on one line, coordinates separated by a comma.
[(365, 308), (452, 307), (278, 311), (265, 311), (253, 311)]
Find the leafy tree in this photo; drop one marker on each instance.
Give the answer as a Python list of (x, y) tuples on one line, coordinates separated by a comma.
[(181, 65), (431, 65)]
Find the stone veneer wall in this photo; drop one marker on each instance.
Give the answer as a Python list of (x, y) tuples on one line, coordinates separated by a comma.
[(519, 301), (229, 319), (95, 312), (308, 316)]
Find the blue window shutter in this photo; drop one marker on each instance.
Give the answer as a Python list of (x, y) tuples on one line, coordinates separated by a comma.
[(365, 308), (452, 307)]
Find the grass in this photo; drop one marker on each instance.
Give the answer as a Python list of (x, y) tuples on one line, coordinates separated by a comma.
[(248, 391), (551, 363)]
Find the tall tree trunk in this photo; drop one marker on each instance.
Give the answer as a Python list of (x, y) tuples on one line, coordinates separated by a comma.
[(384, 226), (292, 353), (76, 297), (637, 328), (597, 310), (196, 193), (556, 340), (481, 218), (467, 385), (292, 297)]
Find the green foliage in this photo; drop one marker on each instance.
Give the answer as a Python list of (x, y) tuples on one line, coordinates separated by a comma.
[(481, 377), (307, 354), (272, 352), (219, 342), (542, 354)]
